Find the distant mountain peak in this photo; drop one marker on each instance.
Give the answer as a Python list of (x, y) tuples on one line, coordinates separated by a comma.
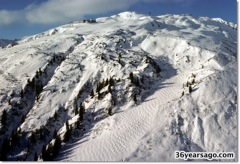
[(5, 42)]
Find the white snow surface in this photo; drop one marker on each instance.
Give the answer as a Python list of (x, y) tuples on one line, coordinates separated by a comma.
[(166, 117)]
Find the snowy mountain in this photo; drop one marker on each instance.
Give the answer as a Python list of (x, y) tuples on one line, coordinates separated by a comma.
[(129, 87)]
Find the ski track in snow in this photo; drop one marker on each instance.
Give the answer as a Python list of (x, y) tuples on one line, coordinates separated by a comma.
[(130, 126)]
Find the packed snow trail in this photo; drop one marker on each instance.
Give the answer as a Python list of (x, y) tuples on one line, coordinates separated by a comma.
[(129, 127)]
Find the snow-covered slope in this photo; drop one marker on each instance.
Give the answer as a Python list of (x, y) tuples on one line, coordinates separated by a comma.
[(129, 87)]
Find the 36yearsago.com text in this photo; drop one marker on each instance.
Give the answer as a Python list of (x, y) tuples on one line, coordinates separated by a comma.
[(204, 155)]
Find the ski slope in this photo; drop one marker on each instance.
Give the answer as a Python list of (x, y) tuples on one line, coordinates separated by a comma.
[(128, 127)]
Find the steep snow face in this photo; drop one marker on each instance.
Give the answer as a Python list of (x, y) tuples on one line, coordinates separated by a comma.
[(131, 87)]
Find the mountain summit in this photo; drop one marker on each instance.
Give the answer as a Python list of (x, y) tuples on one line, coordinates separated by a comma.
[(129, 87)]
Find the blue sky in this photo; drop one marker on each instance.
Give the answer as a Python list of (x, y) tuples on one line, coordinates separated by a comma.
[(19, 18)]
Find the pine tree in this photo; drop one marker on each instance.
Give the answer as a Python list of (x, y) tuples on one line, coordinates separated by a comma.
[(81, 112), (114, 101), (57, 146), (135, 98), (28, 81), (22, 119), (19, 131), (49, 152), (54, 59), (111, 81), (33, 138), (4, 150), (55, 134), (92, 93), (40, 72), (67, 134), (131, 77), (29, 147), (32, 83), (78, 123), (193, 81), (103, 83), (41, 131), (67, 125), (137, 82), (4, 118), (37, 75), (51, 62), (98, 88), (110, 111), (158, 69), (142, 80), (9, 102), (55, 116), (14, 138), (182, 94), (75, 106), (35, 157), (39, 88), (44, 153), (190, 89), (109, 89), (22, 93), (107, 82)]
